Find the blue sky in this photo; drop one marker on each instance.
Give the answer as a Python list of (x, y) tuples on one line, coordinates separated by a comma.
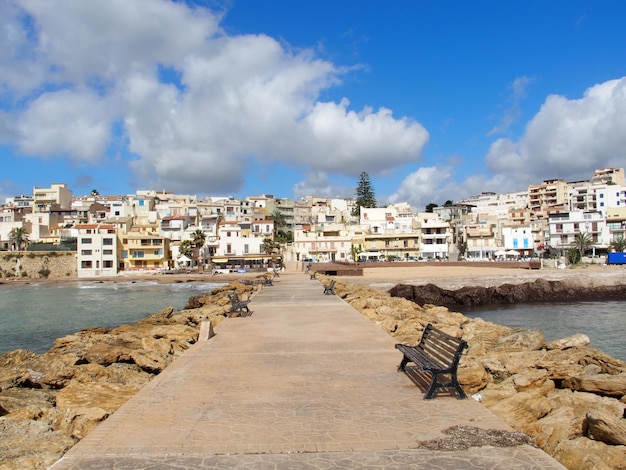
[(436, 100)]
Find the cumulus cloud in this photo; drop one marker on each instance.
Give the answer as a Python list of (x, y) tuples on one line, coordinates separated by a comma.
[(64, 123), (566, 139), (191, 105), (426, 185)]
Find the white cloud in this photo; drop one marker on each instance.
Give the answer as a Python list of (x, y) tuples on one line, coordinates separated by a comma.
[(566, 139), (65, 123), (512, 112), (424, 186), (196, 105)]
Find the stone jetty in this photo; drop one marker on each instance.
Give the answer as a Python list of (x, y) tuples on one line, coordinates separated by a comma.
[(567, 397)]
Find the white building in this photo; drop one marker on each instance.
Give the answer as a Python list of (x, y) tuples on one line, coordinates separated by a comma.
[(564, 227), (97, 250), (520, 239)]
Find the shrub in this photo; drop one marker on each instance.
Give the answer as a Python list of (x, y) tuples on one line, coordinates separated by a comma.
[(44, 273)]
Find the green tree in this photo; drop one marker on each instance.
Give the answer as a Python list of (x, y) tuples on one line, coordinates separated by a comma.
[(18, 237), (430, 207), (95, 192), (198, 238), (364, 194), (280, 224), (618, 243), (269, 246), (582, 243), (186, 248)]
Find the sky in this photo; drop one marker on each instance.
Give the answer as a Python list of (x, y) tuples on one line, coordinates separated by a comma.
[(435, 100)]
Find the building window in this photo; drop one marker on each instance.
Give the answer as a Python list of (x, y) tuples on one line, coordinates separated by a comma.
[(107, 252), (107, 263), (107, 241), (138, 254), (85, 241), (85, 252), (85, 264), (124, 254)]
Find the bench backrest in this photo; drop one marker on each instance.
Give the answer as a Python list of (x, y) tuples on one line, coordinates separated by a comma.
[(442, 347)]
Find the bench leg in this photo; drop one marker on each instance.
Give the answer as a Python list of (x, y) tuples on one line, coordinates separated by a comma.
[(434, 385), (453, 383), (402, 366)]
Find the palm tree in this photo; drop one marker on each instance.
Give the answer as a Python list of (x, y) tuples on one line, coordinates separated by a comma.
[(198, 237), (186, 248), (618, 243), (18, 237), (582, 243)]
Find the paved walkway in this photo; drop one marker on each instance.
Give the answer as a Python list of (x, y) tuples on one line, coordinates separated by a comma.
[(306, 382)]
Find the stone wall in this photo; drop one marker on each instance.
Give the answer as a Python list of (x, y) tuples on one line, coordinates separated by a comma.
[(37, 264)]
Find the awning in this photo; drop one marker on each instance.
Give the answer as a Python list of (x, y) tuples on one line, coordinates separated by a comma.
[(220, 260)]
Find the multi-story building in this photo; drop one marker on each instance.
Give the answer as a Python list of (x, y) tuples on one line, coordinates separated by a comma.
[(549, 194), (56, 195), (323, 243), (145, 251), (519, 239), (97, 250), (564, 227), (436, 239), (616, 223)]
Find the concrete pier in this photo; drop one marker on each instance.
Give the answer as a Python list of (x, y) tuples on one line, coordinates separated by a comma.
[(305, 382)]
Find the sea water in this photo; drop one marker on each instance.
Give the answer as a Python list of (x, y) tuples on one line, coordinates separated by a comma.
[(603, 322), (33, 315)]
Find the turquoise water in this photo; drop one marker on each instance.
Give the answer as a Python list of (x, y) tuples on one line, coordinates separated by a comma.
[(32, 316), (603, 322)]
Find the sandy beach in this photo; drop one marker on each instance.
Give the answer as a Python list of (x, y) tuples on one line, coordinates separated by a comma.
[(442, 274), (455, 277)]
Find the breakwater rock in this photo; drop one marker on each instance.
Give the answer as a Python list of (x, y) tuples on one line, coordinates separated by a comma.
[(568, 397), (50, 401), (540, 290)]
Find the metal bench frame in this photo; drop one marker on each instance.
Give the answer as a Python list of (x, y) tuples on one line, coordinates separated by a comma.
[(438, 354), (238, 305), (330, 288)]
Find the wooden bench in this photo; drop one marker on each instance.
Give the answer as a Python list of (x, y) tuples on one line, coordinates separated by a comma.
[(330, 288), (437, 354), (238, 305)]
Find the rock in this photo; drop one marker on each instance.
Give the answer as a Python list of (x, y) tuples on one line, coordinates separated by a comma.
[(602, 426), (30, 444), (540, 290), (570, 342), (601, 384), (581, 453), (523, 340)]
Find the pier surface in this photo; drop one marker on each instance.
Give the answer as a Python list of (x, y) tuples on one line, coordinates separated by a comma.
[(306, 382)]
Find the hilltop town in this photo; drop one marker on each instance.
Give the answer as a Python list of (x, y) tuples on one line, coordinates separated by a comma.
[(161, 231)]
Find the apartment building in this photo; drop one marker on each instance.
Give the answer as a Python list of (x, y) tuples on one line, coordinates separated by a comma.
[(323, 243), (436, 238), (96, 250), (564, 227), (56, 195), (145, 251), (550, 193)]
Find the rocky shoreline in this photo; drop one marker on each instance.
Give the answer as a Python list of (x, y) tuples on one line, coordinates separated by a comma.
[(568, 397)]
